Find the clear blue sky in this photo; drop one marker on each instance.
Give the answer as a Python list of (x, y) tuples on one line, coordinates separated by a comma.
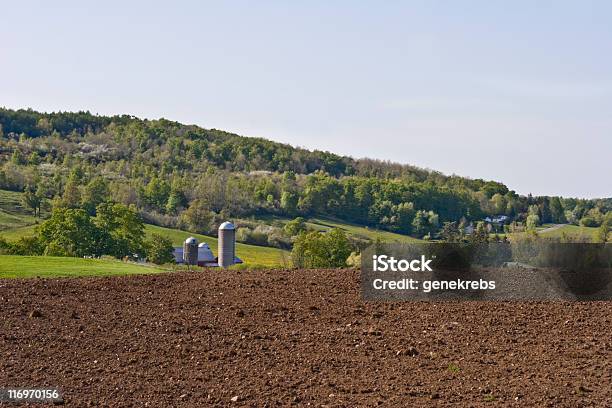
[(519, 92)]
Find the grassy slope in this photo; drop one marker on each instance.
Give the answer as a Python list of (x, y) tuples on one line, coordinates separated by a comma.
[(582, 234), (250, 254), (54, 267), (13, 234), (360, 231), (12, 214), (324, 224), (575, 231)]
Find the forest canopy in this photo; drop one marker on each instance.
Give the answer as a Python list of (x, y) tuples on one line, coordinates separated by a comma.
[(186, 176)]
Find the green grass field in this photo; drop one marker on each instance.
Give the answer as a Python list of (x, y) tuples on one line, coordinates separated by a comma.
[(250, 254), (574, 231), (12, 266)]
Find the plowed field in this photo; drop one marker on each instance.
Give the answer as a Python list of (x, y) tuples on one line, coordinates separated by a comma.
[(277, 338)]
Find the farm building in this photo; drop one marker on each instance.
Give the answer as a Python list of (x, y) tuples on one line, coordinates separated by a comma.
[(205, 256), (497, 219)]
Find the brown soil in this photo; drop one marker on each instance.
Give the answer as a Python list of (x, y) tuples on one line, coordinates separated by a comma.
[(270, 338)]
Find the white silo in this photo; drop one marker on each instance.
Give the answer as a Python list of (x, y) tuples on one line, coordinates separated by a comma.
[(190, 251), (227, 244)]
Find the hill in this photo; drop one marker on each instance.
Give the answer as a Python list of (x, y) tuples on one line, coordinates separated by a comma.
[(181, 175)]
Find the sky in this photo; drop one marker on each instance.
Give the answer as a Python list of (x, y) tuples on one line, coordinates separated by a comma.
[(519, 92)]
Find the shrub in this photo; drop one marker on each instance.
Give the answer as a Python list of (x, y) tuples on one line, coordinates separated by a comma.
[(277, 239), (262, 235), (28, 246), (198, 217), (294, 227), (5, 247), (163, 220), (588, 222), (354, 260), (159, 249), (321, 250), (533, 221), (603, 233), (253, 237), (243, 234)]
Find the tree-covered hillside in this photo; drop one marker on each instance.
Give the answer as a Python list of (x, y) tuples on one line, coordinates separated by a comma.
[(189, 177)]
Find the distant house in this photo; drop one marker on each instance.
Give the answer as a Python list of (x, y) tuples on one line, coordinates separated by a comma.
[(205, 256), (497, 219)]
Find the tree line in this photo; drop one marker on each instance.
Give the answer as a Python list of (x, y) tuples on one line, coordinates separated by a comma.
[(188, 177)]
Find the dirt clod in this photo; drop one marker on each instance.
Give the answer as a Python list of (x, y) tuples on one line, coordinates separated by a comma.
[(411, 351)]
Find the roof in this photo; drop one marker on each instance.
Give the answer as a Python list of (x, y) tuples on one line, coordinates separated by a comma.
[(496, 218), (191, 240), (205, 254), (227, 226)]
